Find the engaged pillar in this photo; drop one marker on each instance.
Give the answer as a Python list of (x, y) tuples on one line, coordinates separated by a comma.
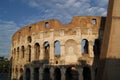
[(63, 73), (80, 71)]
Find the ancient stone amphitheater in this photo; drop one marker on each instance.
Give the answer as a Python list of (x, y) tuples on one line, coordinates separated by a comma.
[(50, 50)]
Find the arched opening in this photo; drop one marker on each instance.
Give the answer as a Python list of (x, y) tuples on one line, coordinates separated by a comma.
[(94, 21), (57, 74), (27, 74), (57, 48), (86, 73), (72, 74), (46, 25), (96, 47), (46, 50), (46, 74), (21, 74), (85, 46), (36, 73), (18, 53), (37, 51), (29, 53), (23, 51), (14, 53), (16, 72)]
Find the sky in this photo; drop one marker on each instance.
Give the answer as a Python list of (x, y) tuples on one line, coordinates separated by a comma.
[(15, 14)]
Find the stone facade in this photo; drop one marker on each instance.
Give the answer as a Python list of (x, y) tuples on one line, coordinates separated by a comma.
[(50, 50), (109, 68)]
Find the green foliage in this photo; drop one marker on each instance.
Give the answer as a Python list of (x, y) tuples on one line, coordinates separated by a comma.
[(4, 65)]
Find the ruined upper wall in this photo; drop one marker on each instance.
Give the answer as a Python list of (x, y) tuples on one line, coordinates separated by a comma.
[(47, 25)]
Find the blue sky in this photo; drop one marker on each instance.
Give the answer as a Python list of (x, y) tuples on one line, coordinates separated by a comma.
[(15, 14)]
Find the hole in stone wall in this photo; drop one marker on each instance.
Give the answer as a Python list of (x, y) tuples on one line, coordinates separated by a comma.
[(94, 21), (46, 25)]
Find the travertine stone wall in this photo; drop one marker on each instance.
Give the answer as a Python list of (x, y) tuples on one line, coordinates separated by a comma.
[(69, 35)]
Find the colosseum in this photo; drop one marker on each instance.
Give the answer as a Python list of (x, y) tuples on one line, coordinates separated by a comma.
[(50, 50)]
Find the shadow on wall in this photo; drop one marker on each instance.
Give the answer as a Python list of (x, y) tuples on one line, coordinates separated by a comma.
[(71, 72), (108, 69)]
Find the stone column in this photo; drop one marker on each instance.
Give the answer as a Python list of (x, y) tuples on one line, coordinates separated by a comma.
[(41, 73), (41, 52), (18, 77), (51, 47), (80, 71), (51, 53), (63, 70), (91, 54), (79, 49), (41, 46), (24, 74), (62, 46), (79, 42), (32, 53), (31, 73), (92, 74), (52, 73), (26, 55)]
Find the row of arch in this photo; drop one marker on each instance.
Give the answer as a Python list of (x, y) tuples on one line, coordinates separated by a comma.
[(46, 49), (71, 73), (16, 72), (16, 52)]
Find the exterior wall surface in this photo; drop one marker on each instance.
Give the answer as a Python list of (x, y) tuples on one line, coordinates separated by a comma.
[(29, 50), (110, 52)]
